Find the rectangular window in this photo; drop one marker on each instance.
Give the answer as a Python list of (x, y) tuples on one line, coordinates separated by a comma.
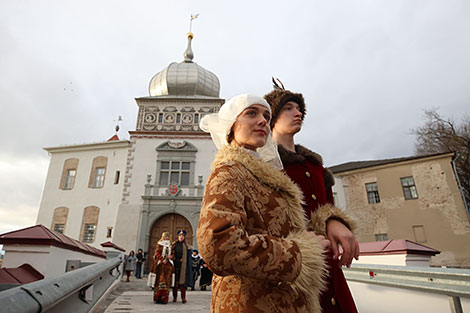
[(70, 179), (175, 172), (160, 117), (196, 118), (89, 233), (59, 228), (99, 177), (381, 237), (409, 188), (178, 118), (109, 233), (372, 193), (116, 177)]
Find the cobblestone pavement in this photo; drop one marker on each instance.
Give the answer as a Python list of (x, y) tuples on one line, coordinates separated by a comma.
[(135, 296)]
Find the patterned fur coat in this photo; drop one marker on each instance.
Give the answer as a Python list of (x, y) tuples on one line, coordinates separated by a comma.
[(251, 234)]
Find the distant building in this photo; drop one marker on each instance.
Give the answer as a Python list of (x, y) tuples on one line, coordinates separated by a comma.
[(413, 198), (129, 192)]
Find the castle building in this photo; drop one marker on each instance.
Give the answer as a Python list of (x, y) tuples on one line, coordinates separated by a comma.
[(130, 191)]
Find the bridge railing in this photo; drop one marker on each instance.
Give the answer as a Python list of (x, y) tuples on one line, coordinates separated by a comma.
[(75, 291), (450, 282)]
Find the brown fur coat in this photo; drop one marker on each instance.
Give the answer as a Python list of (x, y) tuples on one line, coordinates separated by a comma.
[(251, 234)]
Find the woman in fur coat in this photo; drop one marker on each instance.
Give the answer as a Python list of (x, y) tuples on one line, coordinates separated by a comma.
[(252, 230), (306, 169)]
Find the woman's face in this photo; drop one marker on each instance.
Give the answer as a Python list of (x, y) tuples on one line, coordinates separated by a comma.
[(166, 237), (251, 127)]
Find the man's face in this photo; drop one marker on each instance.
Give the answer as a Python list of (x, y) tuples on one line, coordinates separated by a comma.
[(289, 119), (181, 237)]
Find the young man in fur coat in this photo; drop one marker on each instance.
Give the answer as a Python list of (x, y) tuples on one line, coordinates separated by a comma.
[(306, 169)]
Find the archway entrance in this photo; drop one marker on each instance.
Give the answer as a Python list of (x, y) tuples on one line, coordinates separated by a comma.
[(170, 223)]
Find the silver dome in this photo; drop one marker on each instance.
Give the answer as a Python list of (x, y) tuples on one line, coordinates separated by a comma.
[(185, 79)]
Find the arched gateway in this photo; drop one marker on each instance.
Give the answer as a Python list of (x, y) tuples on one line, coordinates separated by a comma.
[(170, 223)]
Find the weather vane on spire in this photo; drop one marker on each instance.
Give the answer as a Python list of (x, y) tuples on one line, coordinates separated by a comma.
[(118, 120), (193, 17)]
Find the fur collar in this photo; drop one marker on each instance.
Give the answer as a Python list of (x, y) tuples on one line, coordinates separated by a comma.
[(267, 174), (263, 171), (300, 155)]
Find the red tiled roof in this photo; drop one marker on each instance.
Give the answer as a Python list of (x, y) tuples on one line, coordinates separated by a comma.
[(400, 246), (114, 138), (23, 274), (109, 244), (41, 235)]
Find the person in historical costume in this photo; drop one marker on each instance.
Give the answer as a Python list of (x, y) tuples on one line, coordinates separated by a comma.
[(129, 264), (163, 269), (196, 267), (252, 230), (206, 276), (181, 255), (306, 169)]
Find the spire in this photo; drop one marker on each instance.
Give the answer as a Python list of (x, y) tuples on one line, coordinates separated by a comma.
[(188, 54)]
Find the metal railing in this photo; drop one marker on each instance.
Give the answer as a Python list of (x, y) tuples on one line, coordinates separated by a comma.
[(454, 283), (75, 291)]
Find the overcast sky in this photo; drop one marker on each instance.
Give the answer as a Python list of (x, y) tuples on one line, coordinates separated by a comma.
[(367, 70)]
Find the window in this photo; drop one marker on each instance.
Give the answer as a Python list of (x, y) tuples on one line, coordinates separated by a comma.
[(160, 117), (372, 193), (196, 118), (98, 171), (116, 177), (174, 172), (69, 173), (89, 233), (178, 118), (89, 224), (59, 228), (381, 237), (99, 177), (109, 233), (409, 188), (69, 179)]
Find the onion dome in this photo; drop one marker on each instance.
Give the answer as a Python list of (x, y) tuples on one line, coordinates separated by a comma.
[(186, 79)]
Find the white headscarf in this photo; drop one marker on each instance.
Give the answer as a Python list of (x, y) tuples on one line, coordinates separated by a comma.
[(219, 126)]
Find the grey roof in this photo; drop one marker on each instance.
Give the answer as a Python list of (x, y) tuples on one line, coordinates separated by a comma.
[(185, 79), (349, 166)]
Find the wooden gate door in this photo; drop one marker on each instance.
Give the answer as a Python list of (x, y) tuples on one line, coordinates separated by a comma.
[(170, 223)]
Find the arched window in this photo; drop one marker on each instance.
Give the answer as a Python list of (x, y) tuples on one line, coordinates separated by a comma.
[(89, 224), (98, 172), (69, 173), (59, 220)]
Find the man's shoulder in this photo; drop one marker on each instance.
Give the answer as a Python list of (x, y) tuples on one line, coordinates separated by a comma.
[(300, 155)]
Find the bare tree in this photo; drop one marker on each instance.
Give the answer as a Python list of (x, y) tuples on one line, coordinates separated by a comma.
[(440, 134)]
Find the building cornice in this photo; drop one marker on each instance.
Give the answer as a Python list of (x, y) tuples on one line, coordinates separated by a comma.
[(89, 146)]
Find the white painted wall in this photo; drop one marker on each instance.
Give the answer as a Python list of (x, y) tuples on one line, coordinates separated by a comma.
[(338, 190), (107, 198), (395, 259), (50, 261), (373, 298)]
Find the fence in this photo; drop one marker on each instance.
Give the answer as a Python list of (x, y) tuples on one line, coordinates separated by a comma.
[(453, 283), (75, 291)]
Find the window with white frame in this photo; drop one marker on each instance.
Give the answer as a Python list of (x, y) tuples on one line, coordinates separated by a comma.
[(409, 188), (99, 177), (372, 193), (59, 228), (70, 178), (175, 172), (89, 233)]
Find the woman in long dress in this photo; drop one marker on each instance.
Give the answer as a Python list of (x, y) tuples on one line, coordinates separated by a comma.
[(163, 269), (252, 229)]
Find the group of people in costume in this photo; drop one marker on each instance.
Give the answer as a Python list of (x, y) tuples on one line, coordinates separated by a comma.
[(174, 268), (268, 227)]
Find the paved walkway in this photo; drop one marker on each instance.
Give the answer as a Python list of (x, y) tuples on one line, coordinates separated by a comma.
[(135, 296)]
